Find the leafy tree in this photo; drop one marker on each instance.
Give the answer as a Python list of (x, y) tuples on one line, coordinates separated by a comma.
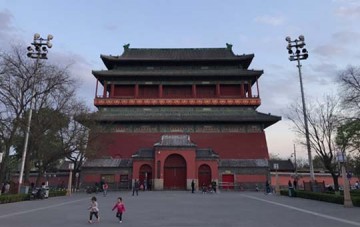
[(318, 162), (51, 91), (348, 135)]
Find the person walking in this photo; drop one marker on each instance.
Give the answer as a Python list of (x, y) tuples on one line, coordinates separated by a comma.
[(105, 188), (291, 189), (213, 186), (94, 210), (120, 209), (267, 187), (136, 187)]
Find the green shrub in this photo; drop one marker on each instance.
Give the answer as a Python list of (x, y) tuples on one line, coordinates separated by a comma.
[(326, 197), (355, 200), (13, 198), (57, 193)]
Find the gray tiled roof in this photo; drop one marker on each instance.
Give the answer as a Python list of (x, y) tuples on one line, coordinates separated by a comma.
[(243, 163), (284, 165), (206, 153), (244, 115), (144, 153), (108, 162), (175, 140), (172, 72), (177, 54)]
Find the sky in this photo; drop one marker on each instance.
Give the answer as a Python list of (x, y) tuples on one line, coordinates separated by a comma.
[(85, 29)]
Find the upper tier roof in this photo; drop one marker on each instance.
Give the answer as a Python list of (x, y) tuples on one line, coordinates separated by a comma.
[(176, 54)]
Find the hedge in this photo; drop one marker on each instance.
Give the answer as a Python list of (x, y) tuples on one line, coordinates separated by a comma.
[(11, 198), (325, 197)]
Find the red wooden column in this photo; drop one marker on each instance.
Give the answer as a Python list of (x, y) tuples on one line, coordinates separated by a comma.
[(160, 90), (136, 90), (242, 90), (249, 89), (105, 87), (96, 90), (193, 95), (112, 90), (217, 90), (257, 87)]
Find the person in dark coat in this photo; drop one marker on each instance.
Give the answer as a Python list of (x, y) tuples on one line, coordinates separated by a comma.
[(192, 186), (136, 187)]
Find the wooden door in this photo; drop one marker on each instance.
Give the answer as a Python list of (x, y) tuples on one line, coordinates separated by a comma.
[(227, 181), (175, 173)]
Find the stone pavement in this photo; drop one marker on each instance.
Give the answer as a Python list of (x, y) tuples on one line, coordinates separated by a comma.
[(180, 208)]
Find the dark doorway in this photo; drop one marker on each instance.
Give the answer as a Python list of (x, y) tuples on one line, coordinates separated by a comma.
[(204, 176), (145, 177)]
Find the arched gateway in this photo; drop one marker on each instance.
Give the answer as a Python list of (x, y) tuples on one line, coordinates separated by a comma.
[(204, 175), (175, 172)]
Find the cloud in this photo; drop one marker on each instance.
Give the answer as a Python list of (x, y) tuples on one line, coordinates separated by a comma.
[(110, 27), (80, 69), (5, 20), (328, 50), (351, 11), (346, 37), (6, 28), (270, 20)]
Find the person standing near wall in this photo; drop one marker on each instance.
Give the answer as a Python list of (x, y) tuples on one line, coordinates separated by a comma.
[(192, 186)]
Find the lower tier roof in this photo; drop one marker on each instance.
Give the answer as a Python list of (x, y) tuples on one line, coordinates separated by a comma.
[(182, 115)]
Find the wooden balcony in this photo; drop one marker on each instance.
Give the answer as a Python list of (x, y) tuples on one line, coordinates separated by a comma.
[(177, 102)]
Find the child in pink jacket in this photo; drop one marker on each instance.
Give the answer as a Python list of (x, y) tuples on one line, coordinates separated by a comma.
[(120, 206)]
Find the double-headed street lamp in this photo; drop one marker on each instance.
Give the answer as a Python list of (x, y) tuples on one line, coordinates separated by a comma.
[(38, 50), (341, 158), (297, 53)]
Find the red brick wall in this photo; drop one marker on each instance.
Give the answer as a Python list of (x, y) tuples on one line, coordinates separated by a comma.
[(227, 145)]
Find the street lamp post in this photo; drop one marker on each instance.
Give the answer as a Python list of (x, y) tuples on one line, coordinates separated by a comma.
[(1, 158), (38, 50), (295, 164), (277, 185), (300, 53), (71, 168), (347, 197)]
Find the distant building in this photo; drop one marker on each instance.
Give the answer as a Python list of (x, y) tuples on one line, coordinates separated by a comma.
[(177, 115)]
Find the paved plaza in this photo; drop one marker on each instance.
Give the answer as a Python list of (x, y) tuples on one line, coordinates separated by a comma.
[(180, 208)]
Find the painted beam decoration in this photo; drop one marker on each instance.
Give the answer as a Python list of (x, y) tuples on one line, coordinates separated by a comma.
[(177, 102)]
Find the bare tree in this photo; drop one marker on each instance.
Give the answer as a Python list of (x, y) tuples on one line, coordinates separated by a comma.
[(323, 121), (350, 84), (21, 80)]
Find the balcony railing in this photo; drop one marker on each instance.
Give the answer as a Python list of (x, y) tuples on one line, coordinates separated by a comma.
[(177, 102)]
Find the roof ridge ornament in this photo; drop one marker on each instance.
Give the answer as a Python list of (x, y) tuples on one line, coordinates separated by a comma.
[(229, 46), (126, 46)]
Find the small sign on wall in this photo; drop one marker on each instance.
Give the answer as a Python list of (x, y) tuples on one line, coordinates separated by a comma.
[(276, 166)]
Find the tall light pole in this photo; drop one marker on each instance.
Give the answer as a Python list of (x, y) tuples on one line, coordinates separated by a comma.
[(295, 164), (300, 53), (1, 158), (38, 50)]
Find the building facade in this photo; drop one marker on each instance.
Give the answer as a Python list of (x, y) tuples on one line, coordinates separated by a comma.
[(178, 115)]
